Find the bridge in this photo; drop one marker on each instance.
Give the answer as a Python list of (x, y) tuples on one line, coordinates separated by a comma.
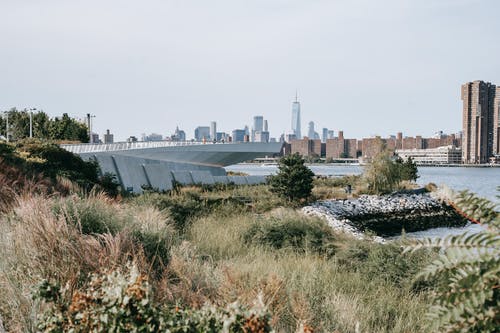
[(159, 164)]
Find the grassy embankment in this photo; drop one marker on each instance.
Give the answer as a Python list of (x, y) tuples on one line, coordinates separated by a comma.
[(208, 245)]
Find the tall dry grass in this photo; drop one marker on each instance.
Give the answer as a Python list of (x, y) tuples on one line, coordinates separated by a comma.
[(358, 286), (42, 239)]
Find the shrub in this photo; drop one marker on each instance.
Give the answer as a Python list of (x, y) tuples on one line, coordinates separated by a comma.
[(296, 233), (294, 180), (93, 215), (122, 302), (382, 174), (407, 169), (109, 183), (52, 161)]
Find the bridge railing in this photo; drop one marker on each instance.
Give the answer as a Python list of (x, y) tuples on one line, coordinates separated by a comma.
[(99, 147)]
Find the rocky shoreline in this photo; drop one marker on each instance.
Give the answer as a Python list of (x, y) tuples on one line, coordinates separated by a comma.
[(386, 215)]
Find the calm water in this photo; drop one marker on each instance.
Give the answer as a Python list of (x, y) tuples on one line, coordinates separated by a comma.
[(482, 181)]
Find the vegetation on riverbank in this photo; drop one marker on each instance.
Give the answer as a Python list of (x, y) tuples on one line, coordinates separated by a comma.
[(83, 260), (232, 252)]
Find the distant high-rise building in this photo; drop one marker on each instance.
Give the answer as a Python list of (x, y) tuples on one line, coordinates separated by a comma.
[(324, 135), (213, 130), (179, 135), (258, 123), (261, 136), (310, 132), (202, 133), (331, 134), (152, 137), (289, 137), (239, 135), (296, 118), (266, 127), (108, 137), (221, 137), (95, 138), (481, 127)]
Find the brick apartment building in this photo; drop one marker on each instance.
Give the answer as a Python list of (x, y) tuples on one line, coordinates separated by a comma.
[(366, 148), (481, 123)]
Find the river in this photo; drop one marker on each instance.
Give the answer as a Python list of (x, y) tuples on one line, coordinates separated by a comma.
[(482, 181)]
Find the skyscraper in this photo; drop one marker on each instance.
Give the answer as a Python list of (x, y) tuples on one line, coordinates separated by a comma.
[(258, 123), (310, 132), (496, 122), (201, 133), (213, 130), (239, 135), (324, 135), (481, 108), (296, 118)]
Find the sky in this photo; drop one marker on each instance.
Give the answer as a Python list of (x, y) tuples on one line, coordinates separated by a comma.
[(362, 66)]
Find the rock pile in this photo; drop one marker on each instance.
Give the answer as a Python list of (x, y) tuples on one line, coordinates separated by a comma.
[(386, 215)]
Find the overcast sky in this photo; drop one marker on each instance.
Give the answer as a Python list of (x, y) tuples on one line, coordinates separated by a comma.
[(363, 66)]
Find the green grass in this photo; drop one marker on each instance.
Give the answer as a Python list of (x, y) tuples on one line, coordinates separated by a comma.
[(363, 283)]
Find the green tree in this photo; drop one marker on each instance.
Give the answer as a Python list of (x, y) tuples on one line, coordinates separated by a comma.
[(382, 175), (66, 128), (469, 265), (19, 124), (408, 169), (294, 180), (41, 123), (3, 122)]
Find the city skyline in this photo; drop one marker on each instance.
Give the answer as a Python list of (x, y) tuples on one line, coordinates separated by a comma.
[(368, 68)]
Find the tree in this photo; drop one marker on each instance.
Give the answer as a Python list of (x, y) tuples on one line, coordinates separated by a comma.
[(408, 169), (469, 265), (294, 180), (383, 174), (64, 128)]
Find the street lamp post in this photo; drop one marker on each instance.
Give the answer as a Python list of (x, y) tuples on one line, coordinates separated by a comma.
[(31, 122), (89, 121), (7, 125)]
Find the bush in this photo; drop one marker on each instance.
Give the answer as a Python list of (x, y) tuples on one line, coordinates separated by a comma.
[(122, 302), (296, 233), (109, 184), (407, 169), (53, 161), (384, 174), (93, 215), (98, 215), (294, 180)]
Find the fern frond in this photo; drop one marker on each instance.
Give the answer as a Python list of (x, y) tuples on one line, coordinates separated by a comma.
[(483, 210), (484, 239), (470, 265)]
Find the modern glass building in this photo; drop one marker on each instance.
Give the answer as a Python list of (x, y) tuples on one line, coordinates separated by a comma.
[(258, 123), (201, 132), (296, 118), (239, 135)]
